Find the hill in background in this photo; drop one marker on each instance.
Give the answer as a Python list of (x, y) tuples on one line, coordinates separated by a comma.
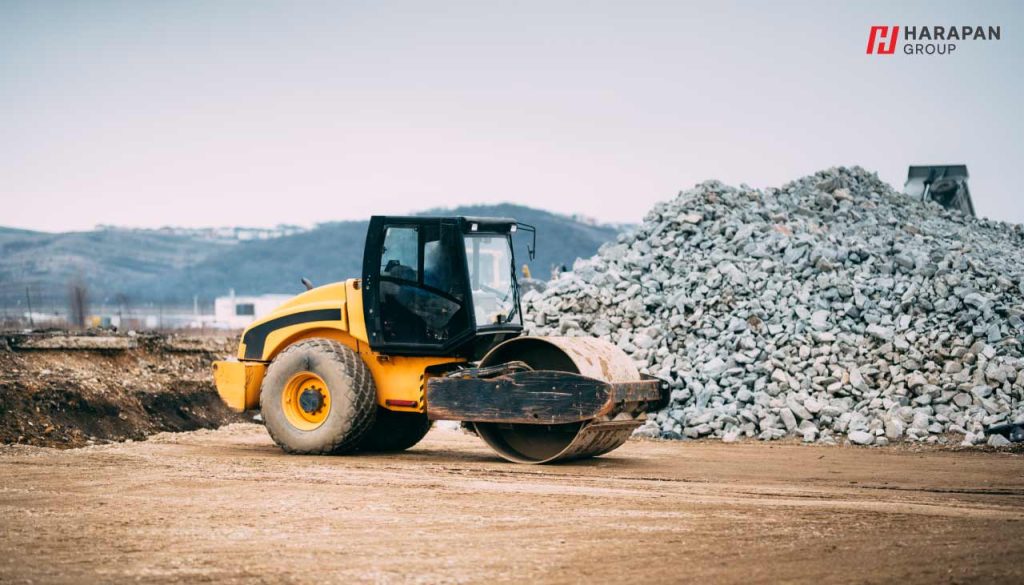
[(167, 267)]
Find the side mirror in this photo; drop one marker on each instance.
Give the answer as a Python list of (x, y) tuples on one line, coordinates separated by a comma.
[(531, 249)]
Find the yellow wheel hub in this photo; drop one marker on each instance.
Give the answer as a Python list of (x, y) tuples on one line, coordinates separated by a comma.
[(306, 401)]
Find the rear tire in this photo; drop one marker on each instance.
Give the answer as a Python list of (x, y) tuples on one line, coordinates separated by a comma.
[(396, 431), (325, 374)]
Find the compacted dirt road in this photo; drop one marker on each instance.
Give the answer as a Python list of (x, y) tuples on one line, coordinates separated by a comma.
[(227, 505)]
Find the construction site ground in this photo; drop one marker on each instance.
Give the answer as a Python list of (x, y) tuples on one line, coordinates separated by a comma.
[(227, 505)]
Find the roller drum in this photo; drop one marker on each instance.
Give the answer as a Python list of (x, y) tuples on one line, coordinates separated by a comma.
[(595, 358)]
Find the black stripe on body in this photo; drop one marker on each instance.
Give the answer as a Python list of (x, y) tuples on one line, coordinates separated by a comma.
[(256, 337)]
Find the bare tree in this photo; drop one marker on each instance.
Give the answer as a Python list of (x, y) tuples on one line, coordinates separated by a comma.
[(78, 302), (123, 309), (28, 297)]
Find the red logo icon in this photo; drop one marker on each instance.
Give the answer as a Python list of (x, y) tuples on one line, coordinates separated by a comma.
[(877, 40)]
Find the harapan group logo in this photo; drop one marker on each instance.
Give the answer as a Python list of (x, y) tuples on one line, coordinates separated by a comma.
[(878, 37), (927, 40)]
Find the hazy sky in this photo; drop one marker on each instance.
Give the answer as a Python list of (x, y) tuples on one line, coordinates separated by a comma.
[(258, 113)]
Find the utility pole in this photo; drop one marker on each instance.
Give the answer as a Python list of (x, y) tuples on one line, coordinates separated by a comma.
[(28, 298)]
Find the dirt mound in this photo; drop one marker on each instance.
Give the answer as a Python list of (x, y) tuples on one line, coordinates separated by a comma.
[(60, 390)]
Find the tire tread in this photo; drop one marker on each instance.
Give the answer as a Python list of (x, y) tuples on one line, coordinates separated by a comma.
[(361, 396)]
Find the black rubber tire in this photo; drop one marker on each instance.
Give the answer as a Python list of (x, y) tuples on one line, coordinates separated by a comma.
[(396, 431), (353, 398)]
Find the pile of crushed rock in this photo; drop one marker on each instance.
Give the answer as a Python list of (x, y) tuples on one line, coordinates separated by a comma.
[(833, 306)]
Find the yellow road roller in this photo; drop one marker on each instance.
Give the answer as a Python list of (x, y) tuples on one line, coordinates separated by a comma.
[(432, 331)]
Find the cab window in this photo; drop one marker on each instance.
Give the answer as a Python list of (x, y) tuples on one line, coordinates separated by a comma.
[(400, 257), (491, 279), (422, 289)]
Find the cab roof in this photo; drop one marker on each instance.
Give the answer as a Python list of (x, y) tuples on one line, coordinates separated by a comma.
[(466, 222)]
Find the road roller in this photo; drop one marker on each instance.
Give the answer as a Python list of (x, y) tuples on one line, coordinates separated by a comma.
[(433, 330)]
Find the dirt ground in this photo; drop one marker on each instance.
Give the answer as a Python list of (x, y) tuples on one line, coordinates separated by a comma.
[(72, 397), (227, 505)]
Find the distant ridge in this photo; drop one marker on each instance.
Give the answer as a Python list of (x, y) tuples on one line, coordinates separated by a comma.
[(171, 266)]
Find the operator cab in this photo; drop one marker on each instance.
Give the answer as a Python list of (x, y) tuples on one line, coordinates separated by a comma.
[(440, 285)]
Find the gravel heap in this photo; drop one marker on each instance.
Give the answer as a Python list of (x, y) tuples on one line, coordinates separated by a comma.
[(831, 306)]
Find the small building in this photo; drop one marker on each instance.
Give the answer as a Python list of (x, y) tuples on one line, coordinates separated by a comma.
[(238, 311)]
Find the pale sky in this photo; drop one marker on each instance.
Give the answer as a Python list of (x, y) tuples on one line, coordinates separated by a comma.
[(256, 113)]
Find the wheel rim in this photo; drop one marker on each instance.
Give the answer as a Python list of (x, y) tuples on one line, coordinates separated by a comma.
[(306, 401)]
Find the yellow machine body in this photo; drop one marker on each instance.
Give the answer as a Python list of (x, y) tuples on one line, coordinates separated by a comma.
[(333, 311), (435, 294)]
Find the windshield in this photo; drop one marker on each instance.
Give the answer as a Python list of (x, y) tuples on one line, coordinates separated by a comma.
[(492, 279)]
